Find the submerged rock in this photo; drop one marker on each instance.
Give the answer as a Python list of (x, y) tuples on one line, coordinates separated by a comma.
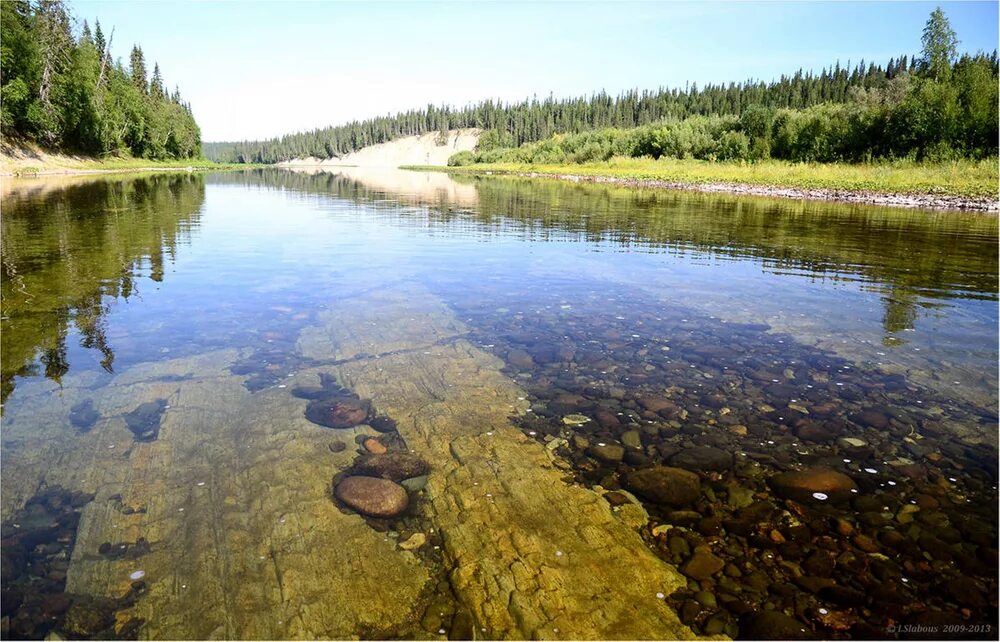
[(338, 412), (665, 485), (144, 421), (702, 565), (771, 625), (703, 458), (382, 424), (83, 416), (413, 542), (372, 496), (375, 447), (606, 453), (813, 484), (394, 466)]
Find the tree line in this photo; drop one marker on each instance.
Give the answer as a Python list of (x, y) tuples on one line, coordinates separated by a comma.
[(930, 106), (939, 107), (64, 91)]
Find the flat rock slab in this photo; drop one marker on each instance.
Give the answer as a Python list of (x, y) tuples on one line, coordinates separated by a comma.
[(233, 497), (532, 555)]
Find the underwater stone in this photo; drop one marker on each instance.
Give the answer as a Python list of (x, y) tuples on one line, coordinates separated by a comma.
[(394, 466), (805, 484), (83, 415), (338, 412), (665, 485), (372, 496), (144, 421)]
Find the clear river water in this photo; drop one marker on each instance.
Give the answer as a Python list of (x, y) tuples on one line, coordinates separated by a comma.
[(388, 404)]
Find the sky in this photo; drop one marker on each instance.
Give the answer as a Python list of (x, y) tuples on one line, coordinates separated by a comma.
[(258, 69)]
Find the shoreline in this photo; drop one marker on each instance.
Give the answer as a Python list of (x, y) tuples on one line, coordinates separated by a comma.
[(23, 161), (857, 197)]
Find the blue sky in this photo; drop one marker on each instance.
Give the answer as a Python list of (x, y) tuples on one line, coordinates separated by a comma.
[(259, 69)]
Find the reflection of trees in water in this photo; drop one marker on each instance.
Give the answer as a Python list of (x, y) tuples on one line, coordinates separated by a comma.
[(68, 252), (917, 255)]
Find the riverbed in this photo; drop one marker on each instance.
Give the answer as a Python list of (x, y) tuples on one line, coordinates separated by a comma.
[(376, 403)]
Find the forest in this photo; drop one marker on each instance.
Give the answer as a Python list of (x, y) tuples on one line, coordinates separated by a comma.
[(934, 106), (64, 91)]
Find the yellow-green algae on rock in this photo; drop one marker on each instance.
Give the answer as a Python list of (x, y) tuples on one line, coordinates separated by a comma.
[(534, 556), (259, 551), (246, 542)]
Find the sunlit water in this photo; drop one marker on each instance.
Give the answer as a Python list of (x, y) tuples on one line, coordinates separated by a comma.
[(754, 335)]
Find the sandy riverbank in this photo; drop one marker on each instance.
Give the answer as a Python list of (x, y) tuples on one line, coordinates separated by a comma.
[(29, 160), (410, 150)]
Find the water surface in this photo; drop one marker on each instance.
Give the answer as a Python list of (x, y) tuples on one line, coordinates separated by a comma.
[(154, 328)]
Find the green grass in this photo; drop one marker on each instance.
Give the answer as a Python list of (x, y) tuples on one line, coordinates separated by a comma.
[(966, 178)]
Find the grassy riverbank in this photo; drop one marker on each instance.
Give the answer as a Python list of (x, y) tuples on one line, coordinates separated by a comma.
[(964, 178)]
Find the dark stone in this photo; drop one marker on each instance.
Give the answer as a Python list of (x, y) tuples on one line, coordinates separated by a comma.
[(372, 496), (144, 421), (520, 359), (966, 592), (607, 454), (338, 412), (337, 446), (55, 604), (771, 625), (463, 627), (665, 485), (383, 424), (871, 419), (309, 392), (703, 458), (88, 617), (394, 466), (814, 432), (842, 595), (617, 499), (83, 415), (812, 583), (702, 565), (938, 549)]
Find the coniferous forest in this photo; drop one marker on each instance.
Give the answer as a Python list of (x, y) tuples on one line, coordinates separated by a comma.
[(933, 106), (62, 89)]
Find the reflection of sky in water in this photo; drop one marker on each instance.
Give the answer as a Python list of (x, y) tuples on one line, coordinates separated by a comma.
[(259, 248)]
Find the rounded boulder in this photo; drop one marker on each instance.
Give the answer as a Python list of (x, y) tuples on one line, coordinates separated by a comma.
[(372, 496)]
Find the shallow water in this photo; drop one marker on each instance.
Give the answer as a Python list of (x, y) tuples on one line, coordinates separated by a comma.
[(163, 337)]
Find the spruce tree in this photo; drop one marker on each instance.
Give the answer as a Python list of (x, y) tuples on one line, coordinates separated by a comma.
[(138, 69), (156, 84), (99, 38)]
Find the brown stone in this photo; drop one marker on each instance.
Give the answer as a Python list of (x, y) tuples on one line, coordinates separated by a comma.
[(607, 453), (372, 496), (865, 543), (339, 412), (801, 485), (657, 404), (394, 466), (606, 418), (702, 565), (520, 359), (375, 447), (665, 485)]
